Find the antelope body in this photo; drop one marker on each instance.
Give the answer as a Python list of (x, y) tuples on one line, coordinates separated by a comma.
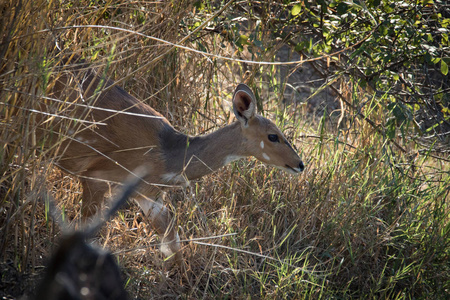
[(133, 135)]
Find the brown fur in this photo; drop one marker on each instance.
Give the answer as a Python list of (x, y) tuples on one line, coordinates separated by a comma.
[(109, 152)]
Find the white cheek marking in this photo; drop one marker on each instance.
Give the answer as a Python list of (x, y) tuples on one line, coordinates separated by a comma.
[(262, 144), (266, 157)]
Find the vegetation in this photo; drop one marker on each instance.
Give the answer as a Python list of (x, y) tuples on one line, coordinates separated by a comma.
[(361, 88)]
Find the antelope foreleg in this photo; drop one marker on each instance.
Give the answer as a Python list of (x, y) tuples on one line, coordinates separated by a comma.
[(162, 222)]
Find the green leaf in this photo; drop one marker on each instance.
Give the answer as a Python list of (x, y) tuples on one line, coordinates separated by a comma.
[(446, 111), (444, 67), (199, 5), (342, 8), (445, 22), (243, 39), (374, 3), (435, 60), (390, 129), (296, 9), (358, 51)]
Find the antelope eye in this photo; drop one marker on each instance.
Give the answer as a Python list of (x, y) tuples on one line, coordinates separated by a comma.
[(273, 138)]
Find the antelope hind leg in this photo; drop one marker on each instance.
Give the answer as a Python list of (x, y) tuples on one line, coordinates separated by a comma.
[(93, 195)]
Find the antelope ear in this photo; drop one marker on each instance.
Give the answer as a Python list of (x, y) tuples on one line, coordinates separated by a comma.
[(244, 104)]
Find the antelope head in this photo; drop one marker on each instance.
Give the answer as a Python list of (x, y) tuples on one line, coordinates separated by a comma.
[(261, 137)]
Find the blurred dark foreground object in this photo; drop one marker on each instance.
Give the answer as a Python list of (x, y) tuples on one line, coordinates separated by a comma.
[(80, 271)]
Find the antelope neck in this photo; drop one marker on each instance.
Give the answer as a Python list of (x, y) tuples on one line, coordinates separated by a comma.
[(194, 157)]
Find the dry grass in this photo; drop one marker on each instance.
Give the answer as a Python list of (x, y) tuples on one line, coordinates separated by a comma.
[(362, 221)]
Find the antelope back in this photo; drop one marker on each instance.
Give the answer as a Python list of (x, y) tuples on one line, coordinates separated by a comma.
[(110, 132)]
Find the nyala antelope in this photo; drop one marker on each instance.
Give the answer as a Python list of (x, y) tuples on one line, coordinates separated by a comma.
[(129, 134)]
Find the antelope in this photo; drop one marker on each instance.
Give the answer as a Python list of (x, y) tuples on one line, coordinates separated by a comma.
[(130, 134)]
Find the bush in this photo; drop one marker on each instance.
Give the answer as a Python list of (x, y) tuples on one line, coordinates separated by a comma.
[(368, 218)]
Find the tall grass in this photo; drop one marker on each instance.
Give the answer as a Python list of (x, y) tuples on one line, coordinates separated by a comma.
[(363, 221)]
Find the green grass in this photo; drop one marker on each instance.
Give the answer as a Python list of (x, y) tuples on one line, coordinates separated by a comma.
[(364, 220)]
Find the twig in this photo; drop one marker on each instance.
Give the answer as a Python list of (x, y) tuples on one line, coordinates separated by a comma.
[(255, 254)]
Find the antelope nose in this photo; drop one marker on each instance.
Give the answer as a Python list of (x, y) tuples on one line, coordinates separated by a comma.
[(301, 166)]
